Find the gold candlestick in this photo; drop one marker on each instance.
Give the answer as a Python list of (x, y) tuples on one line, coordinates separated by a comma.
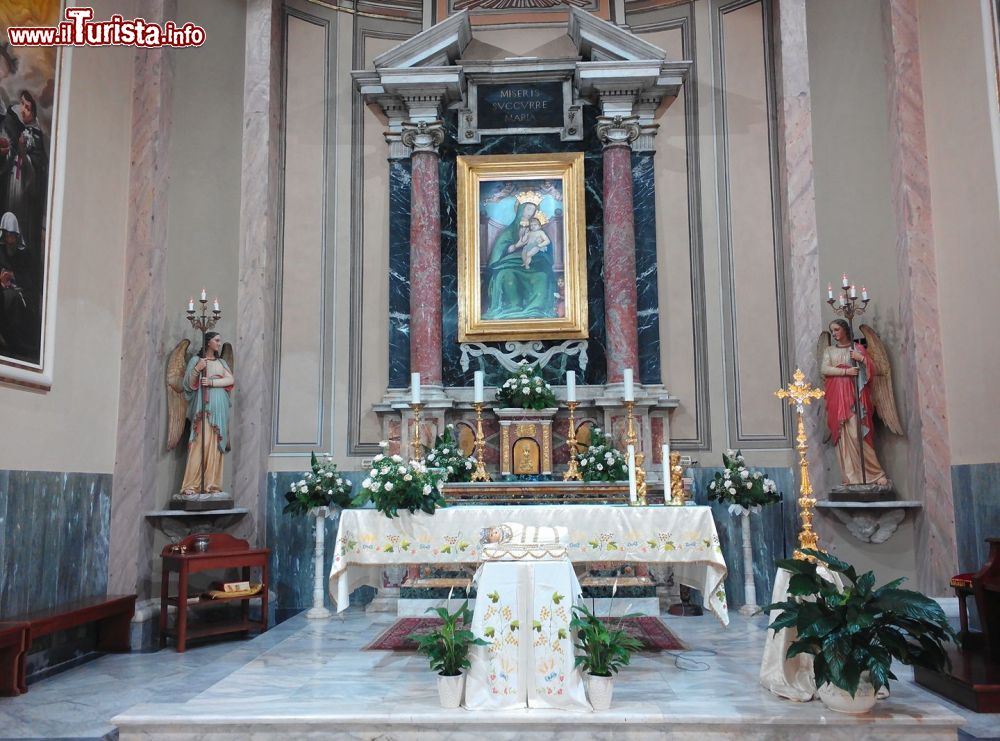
[(631, 438), (480, 474), (418, 448), (678, 495), (573, 472), (799, 393)]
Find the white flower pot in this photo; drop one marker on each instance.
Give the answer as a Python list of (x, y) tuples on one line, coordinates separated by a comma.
[(450, 690), (599, 691), (842, 702)]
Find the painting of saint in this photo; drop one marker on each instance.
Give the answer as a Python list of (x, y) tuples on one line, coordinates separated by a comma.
[(522, 249), (28, 101), (522, 226)]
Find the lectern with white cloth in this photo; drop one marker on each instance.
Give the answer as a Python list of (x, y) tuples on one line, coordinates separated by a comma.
[(527, 588)]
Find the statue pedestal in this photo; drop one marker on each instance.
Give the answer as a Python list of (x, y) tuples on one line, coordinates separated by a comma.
[(202, 501), (525, 441)]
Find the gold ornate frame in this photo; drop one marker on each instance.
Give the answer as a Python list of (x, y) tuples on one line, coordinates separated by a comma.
[(473, 170)]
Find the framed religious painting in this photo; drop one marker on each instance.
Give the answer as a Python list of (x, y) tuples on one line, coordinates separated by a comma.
[(522, 267), (32, 127)]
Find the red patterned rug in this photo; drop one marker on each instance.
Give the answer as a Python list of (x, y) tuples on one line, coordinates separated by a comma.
[(655, 636)]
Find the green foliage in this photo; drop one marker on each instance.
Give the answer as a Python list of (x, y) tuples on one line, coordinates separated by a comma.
[(447, 647), (449, 459), (605, 651), (320, 487), (602, 461), (526, 389), (859, 629), (393, 484), (740, 485)]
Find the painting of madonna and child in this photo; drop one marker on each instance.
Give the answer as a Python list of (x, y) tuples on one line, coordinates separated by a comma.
[(521, 247)]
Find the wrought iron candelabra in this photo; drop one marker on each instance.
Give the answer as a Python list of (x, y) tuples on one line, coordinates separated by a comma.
[(204, 322), (573, 471), (480, 474)]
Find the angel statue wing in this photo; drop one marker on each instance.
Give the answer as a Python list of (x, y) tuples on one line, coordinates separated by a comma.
[(176, 403), (822, 342), (227, 355), (883, 398)]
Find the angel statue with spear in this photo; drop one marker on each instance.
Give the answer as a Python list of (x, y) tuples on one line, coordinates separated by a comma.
[(858, 383), (198, 389)]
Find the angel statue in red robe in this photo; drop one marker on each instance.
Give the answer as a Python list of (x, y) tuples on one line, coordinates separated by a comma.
[(858, 384)]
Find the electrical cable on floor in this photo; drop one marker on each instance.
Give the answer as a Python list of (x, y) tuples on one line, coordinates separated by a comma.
[(687, 660)]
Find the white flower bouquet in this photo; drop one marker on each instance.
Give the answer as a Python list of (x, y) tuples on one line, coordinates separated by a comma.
[(601, 461), (743, 489), (320, 487), (526, 389), (394, 484)]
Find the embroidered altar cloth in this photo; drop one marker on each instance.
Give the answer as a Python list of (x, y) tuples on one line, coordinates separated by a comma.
[(684, 537)]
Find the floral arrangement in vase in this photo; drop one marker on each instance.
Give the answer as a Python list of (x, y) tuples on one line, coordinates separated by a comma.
[(742, 488), (526, 389), (449, 458), (601, 461), (394, 484), (320, 487)]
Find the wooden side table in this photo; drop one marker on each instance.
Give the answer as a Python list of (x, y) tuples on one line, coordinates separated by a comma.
[(223, 552)]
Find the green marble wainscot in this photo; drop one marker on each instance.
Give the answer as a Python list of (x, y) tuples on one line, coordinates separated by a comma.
[(291, 539), (976, 489), (772, 531), (54, 535)]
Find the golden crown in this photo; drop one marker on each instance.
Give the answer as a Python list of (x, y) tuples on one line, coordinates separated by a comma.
[(529, 196)]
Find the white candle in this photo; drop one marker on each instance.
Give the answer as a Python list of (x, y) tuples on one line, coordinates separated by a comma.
[(478, 382), (864, 293), (629, 389), (215, 304), (829, 291), (571, 386), (844, 283), (191, 304), (632, 494), (204, 295), (854, 291), (666, 473), (414, 388), (843, 300)]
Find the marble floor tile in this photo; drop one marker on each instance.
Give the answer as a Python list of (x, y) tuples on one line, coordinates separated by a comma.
[(304, 678)]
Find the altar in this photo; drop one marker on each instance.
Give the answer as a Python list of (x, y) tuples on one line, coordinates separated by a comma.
[(683, 537)]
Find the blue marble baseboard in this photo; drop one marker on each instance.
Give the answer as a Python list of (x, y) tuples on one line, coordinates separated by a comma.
[(976, 489)]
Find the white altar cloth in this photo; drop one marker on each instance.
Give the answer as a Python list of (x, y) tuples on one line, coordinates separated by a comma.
[(684, 537), (524, 612)]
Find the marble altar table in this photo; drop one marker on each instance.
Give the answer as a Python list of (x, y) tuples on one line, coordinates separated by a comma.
[(683, 537)]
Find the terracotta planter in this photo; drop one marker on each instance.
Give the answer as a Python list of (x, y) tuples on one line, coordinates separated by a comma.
[(450, 690), (841, 701), (599, 691)]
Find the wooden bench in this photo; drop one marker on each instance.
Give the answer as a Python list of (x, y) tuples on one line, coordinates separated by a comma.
[(112, 613)]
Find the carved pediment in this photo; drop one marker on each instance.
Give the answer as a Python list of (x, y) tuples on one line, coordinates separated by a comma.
[(598, 40), (438, 46)]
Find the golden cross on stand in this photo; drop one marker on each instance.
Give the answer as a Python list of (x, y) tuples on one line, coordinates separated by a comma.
[(799, 393)]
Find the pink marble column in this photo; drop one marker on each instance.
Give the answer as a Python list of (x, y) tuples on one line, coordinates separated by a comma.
[(620, 299), (924, 407), (425, 252), (798, 201), (140, 417)]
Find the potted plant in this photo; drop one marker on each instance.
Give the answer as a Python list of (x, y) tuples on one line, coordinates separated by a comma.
[(745, 491), (394, 484), (526, 389), (601, 461), (447, 457), (604, 652), (447, 648), (313, 495), (854, 633)]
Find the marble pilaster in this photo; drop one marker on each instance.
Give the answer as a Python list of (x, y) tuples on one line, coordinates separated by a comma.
[(140, 416), (251, 428), (647, 300), (925, 416), (619, 246), (399, 273), (425, 252), (798, 200)]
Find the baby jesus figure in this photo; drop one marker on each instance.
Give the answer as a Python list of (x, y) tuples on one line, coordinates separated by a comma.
[(532, 241)]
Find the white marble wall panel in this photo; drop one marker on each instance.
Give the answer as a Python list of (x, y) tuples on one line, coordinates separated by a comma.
[(925, 419)]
